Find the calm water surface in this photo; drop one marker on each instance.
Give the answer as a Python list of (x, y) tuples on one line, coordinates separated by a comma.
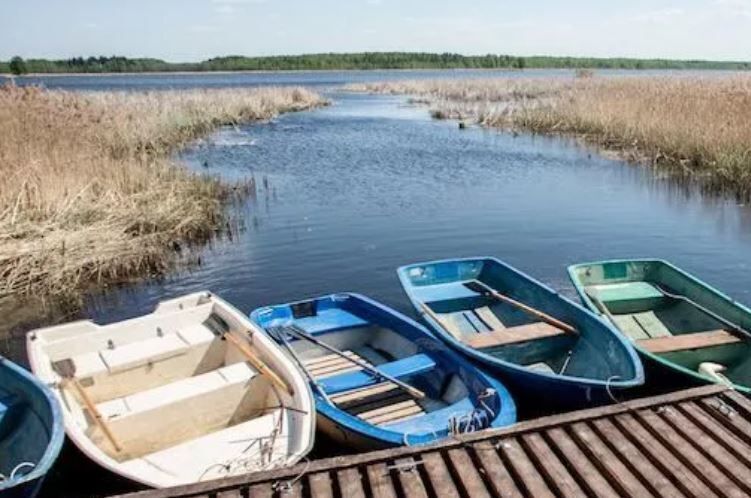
[(349, 192), (371, 183)]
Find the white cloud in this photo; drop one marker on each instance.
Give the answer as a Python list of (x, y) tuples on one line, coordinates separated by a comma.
[(660, 16), (739, 7)]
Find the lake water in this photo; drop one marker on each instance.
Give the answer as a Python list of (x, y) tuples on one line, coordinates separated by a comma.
[(349, 192)]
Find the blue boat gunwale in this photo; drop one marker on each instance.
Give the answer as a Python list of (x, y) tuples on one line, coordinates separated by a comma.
[(57, 432), (505, 417), (637, 380)]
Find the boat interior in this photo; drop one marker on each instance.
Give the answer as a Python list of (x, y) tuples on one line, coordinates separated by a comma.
[(24, 436), (645, 307), (173, 394), (357, 392), (455, 294)]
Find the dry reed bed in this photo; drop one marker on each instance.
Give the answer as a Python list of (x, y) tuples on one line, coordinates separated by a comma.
[(89, 193), (699, 127)]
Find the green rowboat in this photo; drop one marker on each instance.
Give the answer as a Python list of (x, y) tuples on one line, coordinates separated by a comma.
[(678, 324)]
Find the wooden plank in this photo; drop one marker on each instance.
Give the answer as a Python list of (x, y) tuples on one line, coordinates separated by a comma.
[(540, 424), (320, 360), (263, 490), (499, 478), (630, 454), (589, 475), (532, 481), (725, 461), (546, 460), (438, 475), (608, 462), (490, 319), (350, 483), (356, 397), (409, 478), (513, 335), (449, 322), (652, 325), (320, 485), (692, 458), (684, 342), (684, 478), (230, 493), (718, 409), (403, 414), (381, 484), (467, 475), (386, 411), (721, 432), (477, 324)]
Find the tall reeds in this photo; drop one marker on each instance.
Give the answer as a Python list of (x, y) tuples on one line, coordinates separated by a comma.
[(699, 127), (89, 192)]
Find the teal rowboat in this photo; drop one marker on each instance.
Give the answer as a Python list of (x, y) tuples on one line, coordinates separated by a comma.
[(684, 329)]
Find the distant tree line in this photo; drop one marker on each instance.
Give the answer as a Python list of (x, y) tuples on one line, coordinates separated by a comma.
[(365, 60)]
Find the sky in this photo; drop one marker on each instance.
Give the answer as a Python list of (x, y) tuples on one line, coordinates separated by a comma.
[(192, 30)]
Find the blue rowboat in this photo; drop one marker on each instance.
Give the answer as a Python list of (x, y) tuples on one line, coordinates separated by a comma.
[(381, 379), (555, 355), (31, 431)]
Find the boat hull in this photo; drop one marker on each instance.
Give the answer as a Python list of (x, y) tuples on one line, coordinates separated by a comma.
[(32, 430), (347, 319), (661, 369), (618, 366)]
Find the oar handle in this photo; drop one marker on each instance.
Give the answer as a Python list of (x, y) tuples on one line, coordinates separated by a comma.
[(98, 418), (414, 392), (257, 362), (529, 309)]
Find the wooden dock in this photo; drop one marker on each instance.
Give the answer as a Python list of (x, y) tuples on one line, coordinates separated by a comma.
[(694, 443)]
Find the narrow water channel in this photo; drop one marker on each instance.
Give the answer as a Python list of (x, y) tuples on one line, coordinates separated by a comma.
[(349, 192)]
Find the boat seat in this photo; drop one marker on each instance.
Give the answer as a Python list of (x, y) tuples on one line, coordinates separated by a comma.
[(514, 335), (627, 297), (405, 367), (169, 414), (328, 320), (204, 455), (683, 342), (392, 412)]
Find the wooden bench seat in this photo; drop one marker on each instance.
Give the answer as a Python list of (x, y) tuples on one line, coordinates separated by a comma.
[(513, 335), (684, 342)]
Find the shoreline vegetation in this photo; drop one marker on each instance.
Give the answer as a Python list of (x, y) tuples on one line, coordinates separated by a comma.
[(90, 192), (344, 61), (697, 128)]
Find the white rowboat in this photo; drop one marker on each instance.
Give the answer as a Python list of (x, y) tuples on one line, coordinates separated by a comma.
[(191, 392)]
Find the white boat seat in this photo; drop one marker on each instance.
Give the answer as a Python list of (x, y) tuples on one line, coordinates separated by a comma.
[(201, 459), (239, 373), (148, 421)]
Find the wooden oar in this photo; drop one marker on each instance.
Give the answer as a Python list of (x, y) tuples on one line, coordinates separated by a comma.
[(724, 321), (432, 314), (414, 392), (257, 362), (281, 336), (605, 311), (477, 286), (67, 370)]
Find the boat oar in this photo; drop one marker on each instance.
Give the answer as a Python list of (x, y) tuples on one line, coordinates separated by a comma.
[(724, 321), (257, 362), (432, 314), (477, 286), (603, 309), (281, 336), (297, 331), (67, 370)]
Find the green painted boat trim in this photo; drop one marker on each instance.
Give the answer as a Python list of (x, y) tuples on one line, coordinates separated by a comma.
[(628, 271)]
